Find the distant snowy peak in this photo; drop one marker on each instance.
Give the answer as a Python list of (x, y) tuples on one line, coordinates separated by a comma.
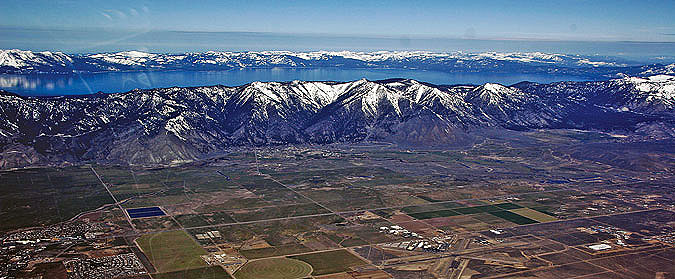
[(664, 84), (17, 61), (125, 58), (658, 88), (496, 94), (28, 59), (380, 56), (662, 78), (664, 70), (528, 57)]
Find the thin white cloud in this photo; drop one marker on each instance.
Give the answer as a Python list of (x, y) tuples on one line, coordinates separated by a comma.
[(106, 15), (117, 13)]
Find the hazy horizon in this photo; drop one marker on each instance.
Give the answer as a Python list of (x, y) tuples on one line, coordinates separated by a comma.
[(645, 32), (567, 20), (107, 40)]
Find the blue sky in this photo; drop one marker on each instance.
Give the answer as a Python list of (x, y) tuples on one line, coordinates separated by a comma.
[(539, 20)]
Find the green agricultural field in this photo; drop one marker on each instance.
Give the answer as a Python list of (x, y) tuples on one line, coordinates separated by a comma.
[(275, 268), (548, 210), (534, 215), (508, 206), (429, 207), (434, 214), (513, 217), (478, 209), (211, 272), (331, 261), (172, 251)]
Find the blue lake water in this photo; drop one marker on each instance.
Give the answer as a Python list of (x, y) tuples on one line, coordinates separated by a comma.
[(145, 212), (51, 85)]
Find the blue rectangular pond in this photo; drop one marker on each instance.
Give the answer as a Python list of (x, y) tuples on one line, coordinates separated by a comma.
[(145, 212)]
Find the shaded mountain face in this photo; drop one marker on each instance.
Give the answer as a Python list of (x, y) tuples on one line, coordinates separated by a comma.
[(170, 125)]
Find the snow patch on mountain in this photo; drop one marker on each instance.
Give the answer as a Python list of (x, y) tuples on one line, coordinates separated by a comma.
[(495, 94), (125, 58), (585, 61), (665, 70), (178, 126), (22, 58), (210, 119), (655, 89), (25, 61)]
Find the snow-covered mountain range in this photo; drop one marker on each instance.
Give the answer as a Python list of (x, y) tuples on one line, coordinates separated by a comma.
[(167, 125), (23, 62)]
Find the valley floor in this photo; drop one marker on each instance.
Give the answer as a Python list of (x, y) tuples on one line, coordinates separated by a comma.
[(554, 204)]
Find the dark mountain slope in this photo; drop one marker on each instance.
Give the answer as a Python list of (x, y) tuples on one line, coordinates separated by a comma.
[(171, 125)]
